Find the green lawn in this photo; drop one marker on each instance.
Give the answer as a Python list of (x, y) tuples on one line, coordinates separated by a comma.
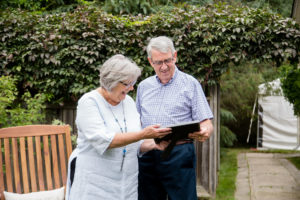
[(227, 174), (295, 161)]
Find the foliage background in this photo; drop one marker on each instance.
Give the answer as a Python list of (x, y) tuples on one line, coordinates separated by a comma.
[(238, 94), (59, 54), (16, 111), (290, 79)]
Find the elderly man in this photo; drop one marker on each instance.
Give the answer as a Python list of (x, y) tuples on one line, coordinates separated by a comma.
[(170, 97)]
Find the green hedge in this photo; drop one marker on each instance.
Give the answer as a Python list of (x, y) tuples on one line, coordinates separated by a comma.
[(59, 54), (290, 83)]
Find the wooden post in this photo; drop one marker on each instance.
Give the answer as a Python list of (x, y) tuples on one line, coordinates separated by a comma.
[(208, 152), (296, 10)]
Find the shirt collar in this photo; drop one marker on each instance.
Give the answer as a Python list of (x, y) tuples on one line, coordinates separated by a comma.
[(171, 80)]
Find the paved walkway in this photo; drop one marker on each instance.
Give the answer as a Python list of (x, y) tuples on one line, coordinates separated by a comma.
[(266, 176)]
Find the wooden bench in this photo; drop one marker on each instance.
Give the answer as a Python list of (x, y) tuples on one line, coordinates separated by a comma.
[(34, 158)]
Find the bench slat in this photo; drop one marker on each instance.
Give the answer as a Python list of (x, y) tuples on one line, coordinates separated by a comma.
[(32, 167), (55, 162), (62, 158), (8, 166), (47, 163), (1, 173), (39, 162), (24, 165), (15, 158)]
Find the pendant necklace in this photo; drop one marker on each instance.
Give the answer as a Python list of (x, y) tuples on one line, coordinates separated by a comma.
[(121, 129)]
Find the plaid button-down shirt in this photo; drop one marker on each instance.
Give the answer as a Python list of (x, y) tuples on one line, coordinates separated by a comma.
[(180, 100)]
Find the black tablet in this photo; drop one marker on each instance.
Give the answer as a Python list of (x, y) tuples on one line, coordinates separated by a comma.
[(179, 132)]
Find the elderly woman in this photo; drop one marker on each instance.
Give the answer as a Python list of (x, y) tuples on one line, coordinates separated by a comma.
[(109, 134)]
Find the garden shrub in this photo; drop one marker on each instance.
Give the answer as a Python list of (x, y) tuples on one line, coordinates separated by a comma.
[(59, 54), (290, 83), (36, 5), (15, 111), (227, 137)]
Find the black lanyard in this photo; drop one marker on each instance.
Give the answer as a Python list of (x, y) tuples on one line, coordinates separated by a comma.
[(121, 129)]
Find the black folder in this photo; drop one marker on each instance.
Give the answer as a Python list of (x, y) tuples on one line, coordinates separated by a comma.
[(179, 132)]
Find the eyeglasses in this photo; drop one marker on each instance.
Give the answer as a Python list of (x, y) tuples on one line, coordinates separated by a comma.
[(160, 62), (128, 85)]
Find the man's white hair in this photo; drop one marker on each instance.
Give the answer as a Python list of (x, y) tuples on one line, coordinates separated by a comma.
[(162, 44)]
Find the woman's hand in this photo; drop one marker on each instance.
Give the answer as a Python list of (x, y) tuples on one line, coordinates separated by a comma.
[(154, 131), (149, 132)]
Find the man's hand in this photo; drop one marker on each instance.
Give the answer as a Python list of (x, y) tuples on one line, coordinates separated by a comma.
[(149, 145), (162, 145), (206, 128)]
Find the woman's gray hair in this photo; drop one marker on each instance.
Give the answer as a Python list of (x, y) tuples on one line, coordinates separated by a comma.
[(118, 68), (162, 44)]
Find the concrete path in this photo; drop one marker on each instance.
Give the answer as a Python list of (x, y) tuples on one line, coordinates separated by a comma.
[(266, 176)]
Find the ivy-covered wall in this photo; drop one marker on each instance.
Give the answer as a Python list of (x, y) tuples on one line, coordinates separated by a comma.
[(59, 54)]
